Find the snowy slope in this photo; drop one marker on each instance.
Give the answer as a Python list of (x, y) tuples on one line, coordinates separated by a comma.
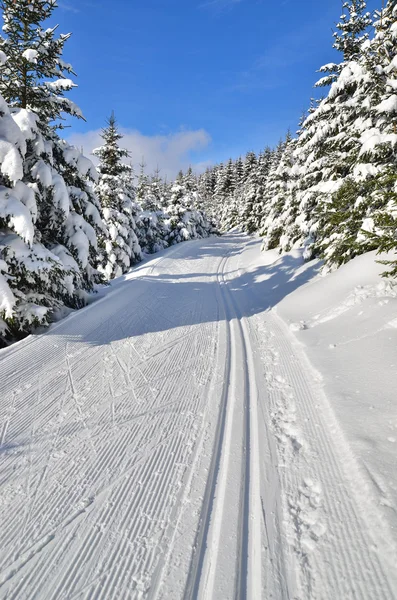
[(172, 440)]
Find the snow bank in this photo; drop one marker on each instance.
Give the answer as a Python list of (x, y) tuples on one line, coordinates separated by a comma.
[(347, 323)]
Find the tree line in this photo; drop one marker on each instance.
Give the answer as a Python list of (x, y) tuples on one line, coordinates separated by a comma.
[(65, 225), (332, 188)]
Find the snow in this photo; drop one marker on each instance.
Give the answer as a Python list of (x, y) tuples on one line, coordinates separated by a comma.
[(352, 312), (60, 193), (34, 258), (81, 235), (7, 298), (42, 172), (26, 122), (220, 423), (373, 138), (16, 213), (60, 85), (84, 165), (30, 55), (10, 161), (365, 170), (388, 106)]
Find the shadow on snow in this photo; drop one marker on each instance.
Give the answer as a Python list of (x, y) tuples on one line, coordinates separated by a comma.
[(169, 300)]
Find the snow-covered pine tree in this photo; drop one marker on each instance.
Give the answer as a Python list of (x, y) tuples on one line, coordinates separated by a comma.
[(27, 83), (115, 201), (353, 220), (250, 201), (153, 200), (375, 209), (176, 211), (206, 189), (328, 142), (279, 207), (152, 229), (236, 205), (351, 32), (185, 222), (34, 75), (85, 229), (225, 193), (133, 210), (33, 280), (190, 185), (34, 84), (218, 197), (264, 165)]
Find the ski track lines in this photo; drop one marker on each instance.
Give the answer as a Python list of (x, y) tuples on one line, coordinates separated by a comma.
[(165, 440), (98, 438), (231, 519)]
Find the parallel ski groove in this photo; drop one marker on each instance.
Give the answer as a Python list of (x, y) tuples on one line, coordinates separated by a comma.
[(251, 554), (196, 568), (202, 572)]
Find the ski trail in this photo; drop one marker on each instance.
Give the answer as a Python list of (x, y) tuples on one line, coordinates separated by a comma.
[(339, 542), (105, 497), (170, 442), (251, 554), (232, 461)]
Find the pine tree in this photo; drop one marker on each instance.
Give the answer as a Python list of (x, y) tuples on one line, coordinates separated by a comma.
[(34, 282), (351, 221), (185, 221), (152, 230), (250, 194), (206, 191), (352, 31), (280, 209), (116, 203), (133, 211), (329, 140), (231, 217), (34, 82), (190, 186), (35, 76)]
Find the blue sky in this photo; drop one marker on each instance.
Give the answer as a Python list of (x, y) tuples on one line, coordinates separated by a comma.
[(195, 81)]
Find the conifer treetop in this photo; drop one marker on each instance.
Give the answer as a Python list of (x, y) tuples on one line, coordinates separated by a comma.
[(352, 32), (34, 75), (110, 154), (352, 27)]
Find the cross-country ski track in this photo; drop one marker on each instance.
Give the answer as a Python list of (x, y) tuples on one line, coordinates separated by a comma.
[(172, 440)]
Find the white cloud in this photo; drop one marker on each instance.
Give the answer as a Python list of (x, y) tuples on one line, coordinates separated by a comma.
[(68, 7), (219, 5), (169, 153)]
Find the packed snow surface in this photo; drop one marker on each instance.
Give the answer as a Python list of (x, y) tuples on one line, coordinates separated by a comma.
[(220, 424)]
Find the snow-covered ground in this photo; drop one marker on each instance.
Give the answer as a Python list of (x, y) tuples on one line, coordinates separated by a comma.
[(221, 424)]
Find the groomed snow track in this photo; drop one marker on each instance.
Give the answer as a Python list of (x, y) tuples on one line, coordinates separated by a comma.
[(172, 441), (231, 508)]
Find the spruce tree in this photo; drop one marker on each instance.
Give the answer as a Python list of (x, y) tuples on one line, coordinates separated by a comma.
[(34, 82), (352, 220), (116, 203), (34, 281), (34, 76), (152, 230), (329, 140), (352, 31), (250, 194), (279, 209)]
